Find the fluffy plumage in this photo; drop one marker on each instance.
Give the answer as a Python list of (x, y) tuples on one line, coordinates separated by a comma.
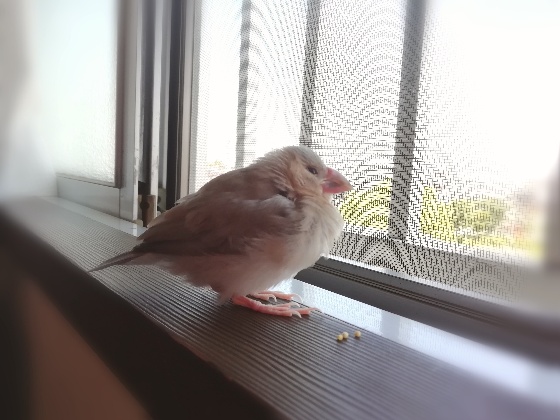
[(248, 229)]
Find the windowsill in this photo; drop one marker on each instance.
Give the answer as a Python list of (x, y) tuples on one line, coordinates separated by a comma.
[(515, 375), (508, 370)]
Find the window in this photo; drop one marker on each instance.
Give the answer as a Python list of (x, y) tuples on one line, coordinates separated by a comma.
[(84, 104), (441, 122)]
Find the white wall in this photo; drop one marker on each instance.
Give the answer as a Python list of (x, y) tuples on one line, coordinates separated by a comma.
[(25, 161)]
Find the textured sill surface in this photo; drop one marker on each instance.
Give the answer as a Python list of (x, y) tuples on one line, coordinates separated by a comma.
[(294, 365)]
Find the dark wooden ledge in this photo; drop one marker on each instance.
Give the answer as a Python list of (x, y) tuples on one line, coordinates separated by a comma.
[(183, 356)]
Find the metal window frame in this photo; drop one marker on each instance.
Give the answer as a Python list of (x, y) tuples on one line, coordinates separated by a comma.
[(177, 98), (190, 93), (406, 119), (553, 223), (478, 319), (241, 145), (99, 195), (310, 72), (160, 115), (137, 149)]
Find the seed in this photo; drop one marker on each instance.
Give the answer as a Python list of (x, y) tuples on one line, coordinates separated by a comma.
[(345, 335), (357, 334), (339, 337)]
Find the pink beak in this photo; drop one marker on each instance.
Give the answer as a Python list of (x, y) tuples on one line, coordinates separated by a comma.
[(335, 183)]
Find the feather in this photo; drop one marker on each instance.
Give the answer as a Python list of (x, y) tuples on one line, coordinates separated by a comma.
[(118, 260)]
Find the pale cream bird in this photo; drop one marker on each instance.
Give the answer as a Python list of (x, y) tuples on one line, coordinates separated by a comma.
[(247, 230)]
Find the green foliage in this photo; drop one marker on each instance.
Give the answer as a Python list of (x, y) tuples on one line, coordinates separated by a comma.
[(368, 208), (436, 217), (481, 215), (470, 221), (462, 220)]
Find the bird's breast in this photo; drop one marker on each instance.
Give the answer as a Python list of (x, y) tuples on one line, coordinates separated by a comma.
[(321, 226)]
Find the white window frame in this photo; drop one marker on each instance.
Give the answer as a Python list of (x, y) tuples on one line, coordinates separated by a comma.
[(141, 118)]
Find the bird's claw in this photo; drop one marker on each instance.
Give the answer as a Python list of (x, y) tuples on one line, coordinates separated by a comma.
[(274, 295), (266, 296), (288, 305), (283, 309)]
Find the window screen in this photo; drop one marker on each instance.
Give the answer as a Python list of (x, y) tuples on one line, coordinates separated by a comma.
[(216, 87), (438, 113), (483, 149)]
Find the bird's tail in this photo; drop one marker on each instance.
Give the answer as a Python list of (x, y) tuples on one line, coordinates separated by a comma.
[(118, 260)]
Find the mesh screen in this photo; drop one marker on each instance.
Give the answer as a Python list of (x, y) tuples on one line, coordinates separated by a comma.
[(438, 113), (216, 74), (484, 150)]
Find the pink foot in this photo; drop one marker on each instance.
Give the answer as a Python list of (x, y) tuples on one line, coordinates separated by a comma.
[(271, 294), (285, 309)]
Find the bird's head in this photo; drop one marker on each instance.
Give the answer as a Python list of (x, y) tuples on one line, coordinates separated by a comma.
[(302, 172)]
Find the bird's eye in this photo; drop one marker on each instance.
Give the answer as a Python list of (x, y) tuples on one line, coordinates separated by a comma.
[(312, 170)]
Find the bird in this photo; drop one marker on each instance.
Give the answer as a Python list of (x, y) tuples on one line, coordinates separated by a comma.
[(248, 229)]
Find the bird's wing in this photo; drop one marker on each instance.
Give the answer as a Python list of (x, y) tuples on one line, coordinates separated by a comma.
[(223, 223)]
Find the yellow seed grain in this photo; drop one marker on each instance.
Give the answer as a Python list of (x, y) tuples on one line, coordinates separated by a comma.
[(339, 337), (345, 335), (357, 334)]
